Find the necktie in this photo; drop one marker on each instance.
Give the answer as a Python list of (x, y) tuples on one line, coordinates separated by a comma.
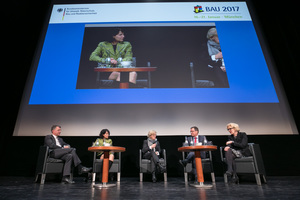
[(195, 142)]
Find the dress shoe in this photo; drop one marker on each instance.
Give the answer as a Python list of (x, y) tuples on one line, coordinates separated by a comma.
[(183, 163), (84, 170), (162, 168), (228, 173), (67, 180), (235, 179)]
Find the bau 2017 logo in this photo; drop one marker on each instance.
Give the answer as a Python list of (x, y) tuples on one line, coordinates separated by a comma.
[(198, 9)]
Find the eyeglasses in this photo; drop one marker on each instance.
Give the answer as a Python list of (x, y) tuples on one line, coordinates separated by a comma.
[(229, 129)]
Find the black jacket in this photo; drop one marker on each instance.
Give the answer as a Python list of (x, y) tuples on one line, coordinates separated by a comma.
[(240, 142), (50, 142), (146, 148)]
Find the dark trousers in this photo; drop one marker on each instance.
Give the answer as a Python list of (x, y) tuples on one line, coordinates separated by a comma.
[(230, 157), (191, 159), (68, 155), (153, 158), (221, 80)]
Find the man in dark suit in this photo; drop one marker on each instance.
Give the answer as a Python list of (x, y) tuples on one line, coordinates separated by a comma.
[(192, 140), (61, 150)]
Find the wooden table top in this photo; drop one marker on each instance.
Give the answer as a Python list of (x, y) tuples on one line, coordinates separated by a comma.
[(129, 69), (198, 148), (107, 148)]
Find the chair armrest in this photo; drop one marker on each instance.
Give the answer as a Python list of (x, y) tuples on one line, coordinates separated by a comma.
[(257, 157), (165, 156), (140, 159), (119, 161), (42, 158), (210, 155), (221, 152), (95, 156)]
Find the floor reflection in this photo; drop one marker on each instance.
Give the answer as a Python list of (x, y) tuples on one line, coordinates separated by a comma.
[(132, 188)]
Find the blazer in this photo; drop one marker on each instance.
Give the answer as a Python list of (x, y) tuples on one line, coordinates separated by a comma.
[(146, 148), (101, 141), (50, 142), (105, 50), (240, 142), (201, 138)]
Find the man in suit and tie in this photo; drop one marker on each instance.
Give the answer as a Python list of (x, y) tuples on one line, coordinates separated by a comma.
[(194, 139), (59, 149)]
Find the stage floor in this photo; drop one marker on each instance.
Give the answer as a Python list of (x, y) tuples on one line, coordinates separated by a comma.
[(130, 188)]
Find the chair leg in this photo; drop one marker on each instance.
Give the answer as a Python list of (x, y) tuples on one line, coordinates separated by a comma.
[(257, 177), (118, 176), (225, 178), (165, 177), (43, 177), (141, 177), (213, 179), (264, 177), (93, 177), (36, 178), (185, 177)]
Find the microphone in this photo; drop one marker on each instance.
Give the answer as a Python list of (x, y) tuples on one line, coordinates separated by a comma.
[(154, 143)]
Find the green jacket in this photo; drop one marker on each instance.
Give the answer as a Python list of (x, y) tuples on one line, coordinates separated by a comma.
[(101, 141), (106, 50)]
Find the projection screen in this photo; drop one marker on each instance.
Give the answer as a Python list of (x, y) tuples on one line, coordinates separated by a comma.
[(182, 64)]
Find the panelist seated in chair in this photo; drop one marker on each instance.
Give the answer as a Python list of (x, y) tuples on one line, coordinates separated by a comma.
[(104, 140), (59, 149), (152, 151), (216, 56), (236, 147), (193, 140), (114, 53)]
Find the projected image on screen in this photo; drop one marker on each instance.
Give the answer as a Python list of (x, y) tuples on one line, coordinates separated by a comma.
[(182, 68), (185, 57)]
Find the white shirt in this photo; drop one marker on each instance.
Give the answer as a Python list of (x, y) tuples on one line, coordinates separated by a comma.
[(213, 57), (56, 141)]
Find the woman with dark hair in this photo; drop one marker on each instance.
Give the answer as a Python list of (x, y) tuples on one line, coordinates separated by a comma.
[(113, 53), (104, 140)]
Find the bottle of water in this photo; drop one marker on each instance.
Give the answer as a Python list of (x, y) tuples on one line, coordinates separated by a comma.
[(185, 142), (205, 142), (119, 62), (107, 61), (192, 142)]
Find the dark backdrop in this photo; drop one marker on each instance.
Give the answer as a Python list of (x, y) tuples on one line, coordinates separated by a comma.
[(22, 28), (280, 153)]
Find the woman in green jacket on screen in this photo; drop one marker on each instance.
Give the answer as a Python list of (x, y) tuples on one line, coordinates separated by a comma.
[(113, 53)]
